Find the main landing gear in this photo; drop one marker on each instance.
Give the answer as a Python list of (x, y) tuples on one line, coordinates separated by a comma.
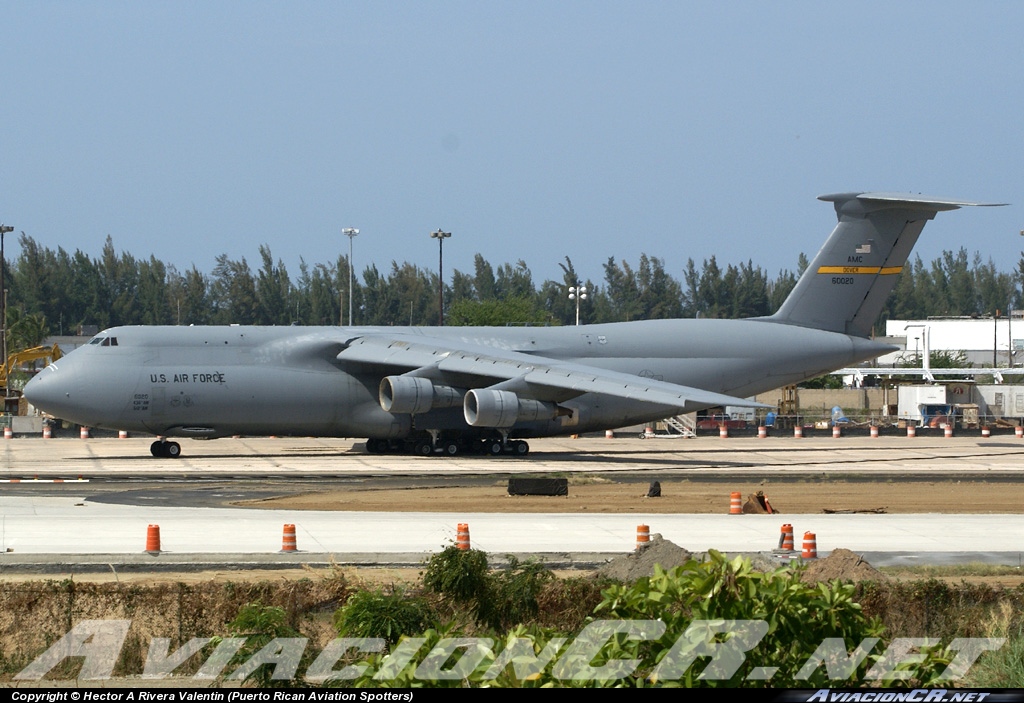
[(448, 447), (162, 449)]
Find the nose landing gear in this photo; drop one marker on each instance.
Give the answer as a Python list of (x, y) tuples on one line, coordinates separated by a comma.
[(162, 449)]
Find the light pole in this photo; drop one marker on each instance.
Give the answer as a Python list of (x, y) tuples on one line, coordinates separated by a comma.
[(351, 233), (4, 229), (440, 237), (577, 293)]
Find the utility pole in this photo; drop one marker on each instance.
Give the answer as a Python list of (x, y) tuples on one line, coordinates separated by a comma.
[(440, 237), (4, 229), (995, 338), (351, 233)]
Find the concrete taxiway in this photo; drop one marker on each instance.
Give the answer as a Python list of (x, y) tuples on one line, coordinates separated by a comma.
[(887, 456), (53, 526)]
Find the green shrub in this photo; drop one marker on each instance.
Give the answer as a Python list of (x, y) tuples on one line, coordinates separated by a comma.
[(460, 574), (260, 624), (497, 600), (384, 615), (511, 594)]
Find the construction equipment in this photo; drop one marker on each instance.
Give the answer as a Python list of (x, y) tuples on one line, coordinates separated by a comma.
[(14, 361)]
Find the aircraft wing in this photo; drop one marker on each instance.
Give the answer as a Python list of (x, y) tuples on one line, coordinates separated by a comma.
[(530, 376)]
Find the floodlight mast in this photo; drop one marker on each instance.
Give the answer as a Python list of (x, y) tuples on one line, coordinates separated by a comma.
[(440, 237), (577, 293), (351, 233)]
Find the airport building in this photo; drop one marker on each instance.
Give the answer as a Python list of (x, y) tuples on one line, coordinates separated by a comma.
[(985, 341)]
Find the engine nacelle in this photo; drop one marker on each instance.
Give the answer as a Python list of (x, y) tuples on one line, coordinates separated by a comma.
[(412, 395), (501, 409)]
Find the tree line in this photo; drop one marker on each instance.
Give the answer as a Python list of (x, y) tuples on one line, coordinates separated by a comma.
[(55, 292)]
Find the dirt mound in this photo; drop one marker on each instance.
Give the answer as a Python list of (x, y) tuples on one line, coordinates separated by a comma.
[(635, 565), (841, 564)]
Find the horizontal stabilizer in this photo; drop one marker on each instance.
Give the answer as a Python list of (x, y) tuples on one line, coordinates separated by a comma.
[(909, 200)]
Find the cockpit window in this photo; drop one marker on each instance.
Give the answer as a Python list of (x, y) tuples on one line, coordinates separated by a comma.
[(104, 341), (96, 340)]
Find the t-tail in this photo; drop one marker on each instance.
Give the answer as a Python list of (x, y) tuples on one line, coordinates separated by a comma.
[(847, 284)]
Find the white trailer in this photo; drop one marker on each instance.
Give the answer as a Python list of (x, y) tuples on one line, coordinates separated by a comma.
[(919, 403)]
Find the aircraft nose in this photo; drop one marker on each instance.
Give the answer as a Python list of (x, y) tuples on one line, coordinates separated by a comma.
[(50, 391)]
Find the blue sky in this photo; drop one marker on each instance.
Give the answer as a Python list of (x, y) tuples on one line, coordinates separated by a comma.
[(530, 130)]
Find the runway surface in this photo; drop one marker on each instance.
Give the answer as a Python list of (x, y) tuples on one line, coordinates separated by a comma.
[(54, 523)]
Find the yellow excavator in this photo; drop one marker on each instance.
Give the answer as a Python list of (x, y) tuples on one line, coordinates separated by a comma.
[(50, 353)]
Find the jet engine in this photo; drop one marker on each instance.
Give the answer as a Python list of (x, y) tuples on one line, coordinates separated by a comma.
[(414, 395), (492, 408)]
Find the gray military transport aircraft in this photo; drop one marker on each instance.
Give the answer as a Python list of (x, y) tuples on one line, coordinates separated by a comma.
[(448, 390)]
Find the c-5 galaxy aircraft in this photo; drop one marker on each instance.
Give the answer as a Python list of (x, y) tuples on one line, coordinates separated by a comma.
[(487, 389)]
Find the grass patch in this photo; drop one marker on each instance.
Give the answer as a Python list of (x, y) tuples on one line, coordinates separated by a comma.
[(584, 480), (951, 570)]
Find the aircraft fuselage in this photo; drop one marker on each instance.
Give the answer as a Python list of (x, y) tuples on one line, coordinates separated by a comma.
[(221, 381)]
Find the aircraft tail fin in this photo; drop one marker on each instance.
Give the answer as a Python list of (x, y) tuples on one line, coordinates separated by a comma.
[(848, 282)]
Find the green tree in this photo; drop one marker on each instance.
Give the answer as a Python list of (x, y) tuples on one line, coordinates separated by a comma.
[(233, 293), (25, 331), (495, 313), (151, 293), (515, 281), (484, 285), (273, 291)]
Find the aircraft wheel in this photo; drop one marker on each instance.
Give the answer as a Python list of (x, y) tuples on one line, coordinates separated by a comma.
[(373, 446), (172, 450), (157, 449), (450, 448), (520, 448), (494, 447), (423, 448)]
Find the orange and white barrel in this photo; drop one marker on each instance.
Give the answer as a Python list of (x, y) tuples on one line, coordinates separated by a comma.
[(786, 538), (47, 432), (986, 432), (8, 433), (84, 433), (762, 431), (153, 539), (837, 431), (643, 536), (288, 542), (1018, 431), (947, 431), (874, 431), (735, 503), (462, 536), (122, 434), (609, 434), (810, 550), (648, 431), (911, 431), (798, 432), (723, 432)]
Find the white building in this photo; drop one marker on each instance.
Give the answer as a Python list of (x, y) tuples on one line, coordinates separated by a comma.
[(987, 341)]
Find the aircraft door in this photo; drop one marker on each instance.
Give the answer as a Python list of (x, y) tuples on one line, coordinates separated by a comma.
[(157, 407)]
